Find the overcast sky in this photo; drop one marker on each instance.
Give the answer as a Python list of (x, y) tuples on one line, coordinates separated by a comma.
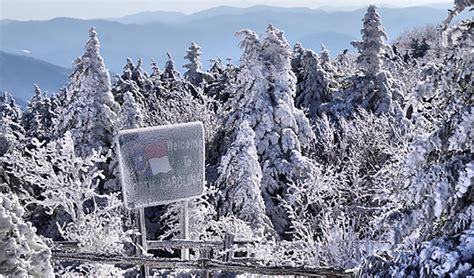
[(47, 9)]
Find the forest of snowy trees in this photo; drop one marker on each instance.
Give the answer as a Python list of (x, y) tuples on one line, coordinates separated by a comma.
[(362, 162)]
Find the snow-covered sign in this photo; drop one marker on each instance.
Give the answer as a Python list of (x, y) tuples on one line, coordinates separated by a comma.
[(160, 165)]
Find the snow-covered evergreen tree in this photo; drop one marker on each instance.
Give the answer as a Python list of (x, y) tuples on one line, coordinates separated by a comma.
[(194, 73), (264, 97), (11, 131), (316, 85), (31, 116), (345, 64), (194, 66), (140, 76), (324, 55), (376, 90), (37, 97), (39, 119), (217, 67), (131, 116), (223, 81), (155, 69), (170, 73), (90, 112), (173, 84), (297, 54), (22, 252), (135, 80), (58, 100), (49, 119), (125, 85), (326, 62), (240, 181), (296, 65), (371, 48), (8, 107)]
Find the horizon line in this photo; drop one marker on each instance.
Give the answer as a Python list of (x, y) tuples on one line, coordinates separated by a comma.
[(327, 9)]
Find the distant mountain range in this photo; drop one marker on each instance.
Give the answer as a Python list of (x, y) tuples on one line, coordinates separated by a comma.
[(152, 34), (19, 73)]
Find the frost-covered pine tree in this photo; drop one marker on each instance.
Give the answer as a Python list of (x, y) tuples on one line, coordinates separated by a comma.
[(217, 67), (240, 180), (39, 118), (326, 64), (90, 112), (8, 107), (376, 90), (194, 65), (139, 75), (58, 100), (264, 97), (155, 69), (130, 115), (136, 82), (297, 54), (316, 85), (125, 84), (141, 79), (31, 116), (170, 73), (324, 55), (194, 73), (22, 252), (223, 78), (371, 48), (11, 131), (345, 65), (49, 119), (296, 64)]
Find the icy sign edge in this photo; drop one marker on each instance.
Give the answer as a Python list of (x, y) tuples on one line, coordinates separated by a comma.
[(124, 181)]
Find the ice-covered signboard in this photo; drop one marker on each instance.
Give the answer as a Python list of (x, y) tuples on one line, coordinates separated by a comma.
[(163, 164)]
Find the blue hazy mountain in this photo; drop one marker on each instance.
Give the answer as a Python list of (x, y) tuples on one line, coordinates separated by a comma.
[(151, 17), (19, 73), (152, 34)]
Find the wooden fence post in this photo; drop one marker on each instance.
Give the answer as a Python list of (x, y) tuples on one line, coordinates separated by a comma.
[(204, 256), (228, 242), (184, 228), (140, 216)]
